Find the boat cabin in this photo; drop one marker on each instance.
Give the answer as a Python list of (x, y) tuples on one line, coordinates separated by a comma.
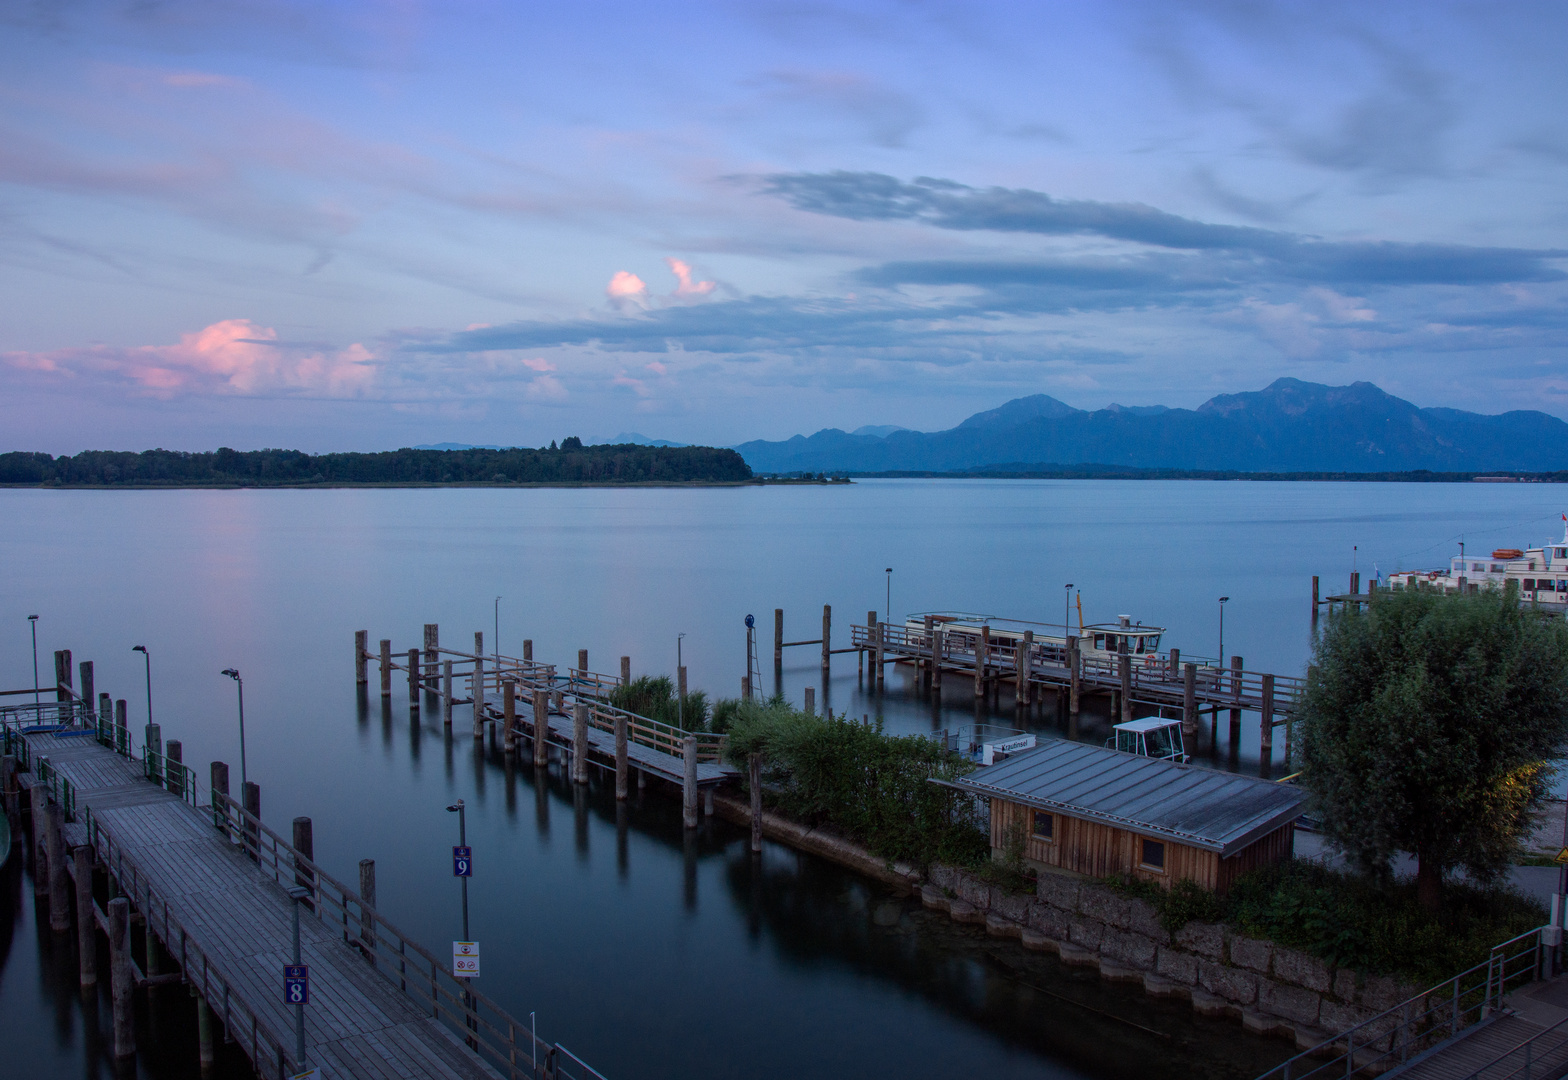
[(1150, 736), (1540, 573), (1095, 811), (1101, 640)]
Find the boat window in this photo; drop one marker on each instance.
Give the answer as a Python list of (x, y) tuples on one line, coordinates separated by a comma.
[(1529, 584), (1162, 742), (1154, 854), (1562, 584), (1140, 644), (1112, 644), (1496, 569), (1154, 643), (1562, 553), (1478, 566), (1043, 824), (1099, 641)]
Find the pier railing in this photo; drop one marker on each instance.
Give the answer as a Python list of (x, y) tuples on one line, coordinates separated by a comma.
[(504, 1041), (665, 738)]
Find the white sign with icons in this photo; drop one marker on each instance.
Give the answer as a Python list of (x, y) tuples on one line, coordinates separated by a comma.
[(465, 959)]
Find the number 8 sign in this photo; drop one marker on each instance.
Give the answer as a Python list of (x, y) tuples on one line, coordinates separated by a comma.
[(296, 984)]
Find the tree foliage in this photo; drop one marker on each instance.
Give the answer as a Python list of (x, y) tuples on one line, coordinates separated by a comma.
[(1430, 724), (573, 463)]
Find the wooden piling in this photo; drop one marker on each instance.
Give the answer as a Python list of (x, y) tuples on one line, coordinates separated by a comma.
[(386, 667), (622, 761), (446, 693), (508, 716), (174, 768), (85, 668), (680, 684), (367, 906), (1074, 685), (218, 784), (827, 636), (1124, 672), (9, 794), (1173, 670), (1189, 700), (122, 721), (1315, 602), (304, 841), (413, 675), (105, 709), (1266, 720), (152, 739), (479, 685), (754, 778), (982, 661), (541, 728), (205, 1056), (582, 662), (86, 925), (1235, 697), (62, 674), (432, 653), (528, 650), (938, 652), (59, 876), (626, 670), (778, 637), (361, 644), (38, 805), (1025, 651), (580, 742), (122, 985), (745, 687), (881, 654), (250, 799), (689, 786), (810, 706)]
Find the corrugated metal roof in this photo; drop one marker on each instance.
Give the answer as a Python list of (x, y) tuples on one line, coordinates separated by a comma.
[(1205, 808)]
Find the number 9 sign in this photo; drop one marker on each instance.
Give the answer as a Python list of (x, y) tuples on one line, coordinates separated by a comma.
[(462, 861)]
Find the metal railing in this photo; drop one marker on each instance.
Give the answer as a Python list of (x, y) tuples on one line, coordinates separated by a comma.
[(44, 715), (173, 776), (498, 1037), (1414, 1027), (1543, 1055)]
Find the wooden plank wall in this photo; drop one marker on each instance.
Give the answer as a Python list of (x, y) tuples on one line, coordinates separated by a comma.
[(1098, 850)]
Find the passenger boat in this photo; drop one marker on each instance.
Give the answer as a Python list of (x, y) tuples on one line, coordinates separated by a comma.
[(1539, 573), (1096, 641)]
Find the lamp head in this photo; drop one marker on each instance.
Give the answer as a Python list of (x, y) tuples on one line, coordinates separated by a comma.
[(455, 807), (1068, 585), (32, 618), (139, 648), (1223, 599), (890, 569), (231, 673), (298, 892)]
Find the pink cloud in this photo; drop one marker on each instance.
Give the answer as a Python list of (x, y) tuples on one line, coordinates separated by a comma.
[(625, 289), (538, 363), (687, 288), (234, 356), (657, 368)]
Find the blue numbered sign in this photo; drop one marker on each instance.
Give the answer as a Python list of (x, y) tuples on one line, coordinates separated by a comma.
[(296, 984), (462, 862)]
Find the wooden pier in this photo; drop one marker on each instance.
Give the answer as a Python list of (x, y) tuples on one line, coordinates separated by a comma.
[(130, 844)]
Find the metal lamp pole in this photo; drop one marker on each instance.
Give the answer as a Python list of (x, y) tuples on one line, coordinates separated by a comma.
[(462, 841), (887, 613), (1223, 600), (497, 639), (235, 675), (680, 699), (32, 621), (1067, 612), (298, 894), (147, 657)]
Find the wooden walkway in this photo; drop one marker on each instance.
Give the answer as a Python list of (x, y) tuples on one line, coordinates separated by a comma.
[(1529, 1039), (227, 924)]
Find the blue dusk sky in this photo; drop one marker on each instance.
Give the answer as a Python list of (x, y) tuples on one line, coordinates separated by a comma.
[(369, 225)]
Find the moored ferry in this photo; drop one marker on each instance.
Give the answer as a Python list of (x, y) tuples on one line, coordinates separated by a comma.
[(1099, 641), (1540, 573)]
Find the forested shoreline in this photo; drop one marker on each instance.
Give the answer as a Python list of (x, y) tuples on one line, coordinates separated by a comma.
[(570, 463)]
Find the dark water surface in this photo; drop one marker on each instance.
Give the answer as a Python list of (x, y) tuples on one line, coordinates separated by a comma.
[(649, 951)]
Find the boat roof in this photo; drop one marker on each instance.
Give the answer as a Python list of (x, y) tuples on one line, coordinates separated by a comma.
[(1203, 808), (1148, 723)]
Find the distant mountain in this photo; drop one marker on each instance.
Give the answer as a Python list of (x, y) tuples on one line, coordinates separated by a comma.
[(1291, 426), (454, 446), (636, 439)]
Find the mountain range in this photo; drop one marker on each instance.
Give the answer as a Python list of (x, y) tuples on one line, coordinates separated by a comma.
[(1290, 426)]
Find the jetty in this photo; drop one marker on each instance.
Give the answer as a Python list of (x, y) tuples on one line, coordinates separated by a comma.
[(192, 888)]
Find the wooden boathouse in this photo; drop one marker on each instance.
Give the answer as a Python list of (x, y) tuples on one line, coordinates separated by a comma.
[(1098, 812)]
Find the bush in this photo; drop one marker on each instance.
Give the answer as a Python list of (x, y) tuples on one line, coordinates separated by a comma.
[(863, 783), (655, 698)]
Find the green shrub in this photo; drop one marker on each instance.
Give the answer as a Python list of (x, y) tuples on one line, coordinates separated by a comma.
[(655, 698)]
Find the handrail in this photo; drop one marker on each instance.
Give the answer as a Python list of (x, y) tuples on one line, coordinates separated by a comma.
[(1530, 1062)]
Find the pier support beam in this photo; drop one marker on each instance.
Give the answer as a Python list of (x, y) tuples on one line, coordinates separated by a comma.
[(367, 907), (361, 644), (1266, 721), (218, 784), (86, 925), (205, 1055), (1025, 669), (1235, 697), (1124, 671), (304, 842), (446, 693), (386, 667), (582, 662), (778, 637), (982, 660), (432, 653), (479, 686), (38, 805), (938, 652), (689, 786), (59, 879), (508, 717), (754, 778), (413, 676), (174, 768), (626, 670), (810, 706), (1074, 685), (827, 637), (622, 761), (1315, 602), (121, 985), (528, 650), (105, 710), (1189, 701), (250, 799), (541, 728), (580, 742), (86, 670)]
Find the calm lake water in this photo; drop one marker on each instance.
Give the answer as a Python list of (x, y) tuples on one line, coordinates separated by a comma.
[(650, 952)]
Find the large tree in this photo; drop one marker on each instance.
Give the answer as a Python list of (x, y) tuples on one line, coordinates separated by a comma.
[(1431, 724)]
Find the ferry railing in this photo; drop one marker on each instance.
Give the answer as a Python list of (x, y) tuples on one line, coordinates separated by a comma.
[(501, 1039), (1399, 1035)]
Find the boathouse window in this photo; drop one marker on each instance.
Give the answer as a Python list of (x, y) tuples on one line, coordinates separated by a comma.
[(1044, 825), (1153, 855)]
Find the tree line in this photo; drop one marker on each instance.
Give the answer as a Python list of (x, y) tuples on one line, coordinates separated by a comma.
[(569, 463)]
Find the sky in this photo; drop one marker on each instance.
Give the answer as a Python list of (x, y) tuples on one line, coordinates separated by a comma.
[(359, 226)]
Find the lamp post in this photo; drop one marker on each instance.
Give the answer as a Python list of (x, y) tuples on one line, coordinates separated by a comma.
[(32, 621), (147, 657), (1067, 613), (680, 698), (887, 612), (298, 894), (462, 841), (1223, 600), (239, 682), (496, 641)]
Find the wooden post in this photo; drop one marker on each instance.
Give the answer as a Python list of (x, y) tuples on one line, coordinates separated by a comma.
[(622, 760), (938, 654), (8, 794), (413, 675), (1124, 671), (580, 742), (541, 728), (1355, 584), (881, 654), (361, 644), (1074, 685), (152, 739), (432, 652), (479, 686), (626, 670), (250, 792), (925, 667), (120, 978), (59, 876), (811, 700), (778, 637), (982, 660), (827, 636), (386, 667), (304, 843), (582, 662), (218, 784), (1189, 700), (754, 777), (1315, 601), (105, 709), (528, 650), (122, 726), (1025, 668), (689, 786), (62, 674), (508, 716), (1235, 697), (86, 925), (745, 687), (88, 700), (38, 804), (1173, 671), (446, 693), (367, 906), (1266, 721), (174, 768), (205, 1057)]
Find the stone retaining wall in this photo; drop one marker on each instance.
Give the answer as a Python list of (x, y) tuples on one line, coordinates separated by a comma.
[(1271, 989)]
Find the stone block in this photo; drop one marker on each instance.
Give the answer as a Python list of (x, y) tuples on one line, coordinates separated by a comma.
[(1383, 992), (1334, 1017), (943, 876), (1143, 919), (1250, 954), (1010, 905), (1048, 920), (934, 898), (1106, 906), (1299, 969), (1261, 1023), (1308, 1037), (1295, 1003), (1205, 939), (1087, 933), (1177, 965), (1345, 985), (963, 911), (1039, 942), (1230, 983), (997, 926), (1206, 1004), (1159, 986), (1058, 890), (1111, 971), (973, 891), (1125, 947), (1077, 956)]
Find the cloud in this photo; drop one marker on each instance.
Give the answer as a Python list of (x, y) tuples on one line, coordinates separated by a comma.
[(234, 356), (545, 388), (626, 290), (686, 287), (536, 363)]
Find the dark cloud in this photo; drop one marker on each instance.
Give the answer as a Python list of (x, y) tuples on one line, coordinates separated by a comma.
[(944, 204)]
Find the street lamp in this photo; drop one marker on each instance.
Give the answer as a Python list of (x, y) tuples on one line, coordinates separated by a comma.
[(887, 612), (462, 841), (1223, 600), (497, 638), (298, 894), (147, 657), (680, 698), (1067, 612), (32, 621), (239, 682)]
